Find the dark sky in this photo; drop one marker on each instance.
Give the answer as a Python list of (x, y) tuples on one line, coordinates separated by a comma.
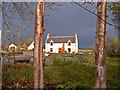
[(70, 19)]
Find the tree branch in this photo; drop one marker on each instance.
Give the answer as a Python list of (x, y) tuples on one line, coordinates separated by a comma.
[(96, 15)]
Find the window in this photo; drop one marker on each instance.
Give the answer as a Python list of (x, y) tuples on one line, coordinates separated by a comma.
[(51, 49), (12, 48), (51, 43), (69, 49), (69, 43)]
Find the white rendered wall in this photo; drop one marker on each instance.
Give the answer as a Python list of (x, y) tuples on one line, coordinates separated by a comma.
[(56, 47), (12, 45), (31, 46), (76, 45)]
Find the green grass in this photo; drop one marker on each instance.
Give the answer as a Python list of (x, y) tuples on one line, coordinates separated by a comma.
[(13, 74), (113, 73), (71, 74)]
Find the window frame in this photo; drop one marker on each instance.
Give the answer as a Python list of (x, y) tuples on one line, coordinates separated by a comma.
[(51, 42), (51, 49), (69, 49), (69, 43)]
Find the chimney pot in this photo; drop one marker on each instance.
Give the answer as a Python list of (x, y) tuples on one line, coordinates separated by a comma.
[(48, 36), (75, 35)]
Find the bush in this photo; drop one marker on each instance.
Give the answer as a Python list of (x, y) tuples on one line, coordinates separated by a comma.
[(65, 51), (91, 59), (112, 46), (60, 51), (62, 59), (58, 61)]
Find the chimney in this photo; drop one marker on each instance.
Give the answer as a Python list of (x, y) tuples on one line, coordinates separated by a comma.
[(75, 35), (48, 36)]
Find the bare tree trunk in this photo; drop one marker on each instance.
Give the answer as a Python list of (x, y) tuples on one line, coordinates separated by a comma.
[(38, 50), (0, 61), (42, 5), (100, 62)]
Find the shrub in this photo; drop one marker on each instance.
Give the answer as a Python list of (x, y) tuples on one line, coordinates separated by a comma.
[(60, 51), (61, 59), (112, 46), (58, 61), (91, 59), (65, 51)]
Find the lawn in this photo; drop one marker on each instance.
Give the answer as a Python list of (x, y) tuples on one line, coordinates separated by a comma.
[(61, 73)]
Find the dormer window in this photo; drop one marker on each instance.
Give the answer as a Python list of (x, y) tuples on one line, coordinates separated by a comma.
[(51, 43), (69, 43)]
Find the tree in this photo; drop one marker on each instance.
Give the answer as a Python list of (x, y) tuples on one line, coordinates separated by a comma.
[(19, 11), (19, 39), (7, 40), (112, 46), (114, 7), (38, 50), (20, 8), (100, 63)]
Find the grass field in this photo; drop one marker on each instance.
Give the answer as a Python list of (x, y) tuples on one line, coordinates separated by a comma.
[(60, 74)]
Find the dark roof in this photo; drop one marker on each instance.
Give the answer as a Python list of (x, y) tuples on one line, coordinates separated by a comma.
[(61, 39)]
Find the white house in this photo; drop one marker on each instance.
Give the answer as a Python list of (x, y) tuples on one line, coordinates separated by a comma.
[(55, 44), (12, 47), (31, 46)]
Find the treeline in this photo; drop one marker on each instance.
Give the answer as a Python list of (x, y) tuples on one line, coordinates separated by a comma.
[(112, 46)]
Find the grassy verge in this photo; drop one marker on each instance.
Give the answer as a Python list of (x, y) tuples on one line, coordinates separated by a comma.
[(60, 76), (113, 73), (70, 73)]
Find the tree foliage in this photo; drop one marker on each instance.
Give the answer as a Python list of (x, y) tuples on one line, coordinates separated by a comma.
[(114, 7), (112, 46)]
